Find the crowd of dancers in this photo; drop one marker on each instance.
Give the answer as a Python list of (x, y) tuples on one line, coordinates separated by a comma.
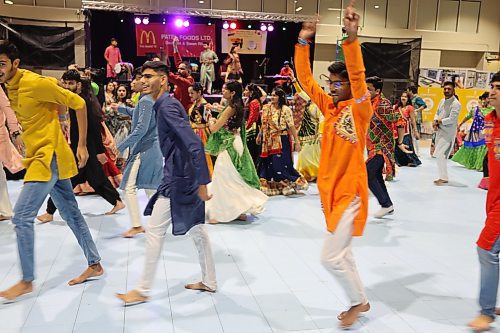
[(219, 162)]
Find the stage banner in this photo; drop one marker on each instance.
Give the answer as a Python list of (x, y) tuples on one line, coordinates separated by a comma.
[(150, 38), (250, 41), (469, 98)]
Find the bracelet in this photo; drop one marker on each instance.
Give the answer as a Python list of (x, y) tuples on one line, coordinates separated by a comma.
[(302, 41), (63, 117)]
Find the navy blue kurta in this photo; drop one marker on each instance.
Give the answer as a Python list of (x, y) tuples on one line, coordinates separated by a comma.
[(185, 166)]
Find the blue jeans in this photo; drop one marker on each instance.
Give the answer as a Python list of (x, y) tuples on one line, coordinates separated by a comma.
[(489, 279), (29, 202)]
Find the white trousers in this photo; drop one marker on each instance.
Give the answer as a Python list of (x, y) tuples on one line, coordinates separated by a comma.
[(338, 259), (441, 153), (156, 231), (5, 205), (130, 192)]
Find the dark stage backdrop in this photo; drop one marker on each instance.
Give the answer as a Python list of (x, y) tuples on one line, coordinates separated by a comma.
[(104, 25)]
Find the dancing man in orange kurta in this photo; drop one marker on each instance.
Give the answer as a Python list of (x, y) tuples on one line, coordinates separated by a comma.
[(342, 178)]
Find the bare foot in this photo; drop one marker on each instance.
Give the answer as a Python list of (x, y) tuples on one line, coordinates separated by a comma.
[(45, 218), (132, 297), (4, 218), (119, 206), (213, 221), (480, 323), (91, 271), (242, 217), (199, 286), (349, 317), (19, 289), (133, 231)]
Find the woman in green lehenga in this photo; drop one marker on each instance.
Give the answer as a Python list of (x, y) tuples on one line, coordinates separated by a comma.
[(235, 185)]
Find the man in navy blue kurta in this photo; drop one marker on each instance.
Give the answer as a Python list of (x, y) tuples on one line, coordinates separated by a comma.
[(180, 198)]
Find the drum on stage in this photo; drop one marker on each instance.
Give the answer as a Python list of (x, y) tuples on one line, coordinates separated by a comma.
[(124, 71)]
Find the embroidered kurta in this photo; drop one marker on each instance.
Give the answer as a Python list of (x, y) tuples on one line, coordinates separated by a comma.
[(34, 98), (491, 230), (207, 72), (342, 173), (113, 56), (198, 119), (380, 139), (275, 123), (185, 167)]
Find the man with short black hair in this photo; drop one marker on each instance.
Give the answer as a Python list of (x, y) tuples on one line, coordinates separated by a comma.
[(40, 106), (445, 124), (342, 178), (207, 60), (113, 56), (380, 145), (488, 244), (180, 197), (183, 79)]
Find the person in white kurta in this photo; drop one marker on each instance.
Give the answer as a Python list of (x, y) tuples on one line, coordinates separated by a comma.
[(445, 124)]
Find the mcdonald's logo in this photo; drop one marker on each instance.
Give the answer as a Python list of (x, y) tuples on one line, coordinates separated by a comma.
[(149, 35)]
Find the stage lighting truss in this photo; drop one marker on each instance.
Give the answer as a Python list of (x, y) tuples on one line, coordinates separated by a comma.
[(213, 13)]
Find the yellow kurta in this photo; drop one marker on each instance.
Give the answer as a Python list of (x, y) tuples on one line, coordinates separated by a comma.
[(34, 99)]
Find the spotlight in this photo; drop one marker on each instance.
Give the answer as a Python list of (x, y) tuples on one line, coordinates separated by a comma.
[(121, 20), (137, 20), (270, 27), (163, 21), (232, 25), (249, 26), (8, 2), (185, 24), (145, 20), (209, 23), (263, 27), (225, 25), (178, 23), (284, 28)]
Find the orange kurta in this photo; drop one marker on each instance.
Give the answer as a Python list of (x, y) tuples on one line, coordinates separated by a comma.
[(342, 171)]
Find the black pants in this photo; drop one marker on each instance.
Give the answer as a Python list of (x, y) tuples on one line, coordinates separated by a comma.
[(486, 172), (376, 182), (105, 190)]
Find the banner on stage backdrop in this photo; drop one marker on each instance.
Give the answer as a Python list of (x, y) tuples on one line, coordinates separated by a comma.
[(249, 41), (154, 37), (469, 98)]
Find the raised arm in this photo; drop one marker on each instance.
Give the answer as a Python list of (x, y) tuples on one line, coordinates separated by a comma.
[(303, 68)]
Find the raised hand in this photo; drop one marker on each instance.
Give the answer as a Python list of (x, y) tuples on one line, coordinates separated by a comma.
[(308, 30), (351, 20)]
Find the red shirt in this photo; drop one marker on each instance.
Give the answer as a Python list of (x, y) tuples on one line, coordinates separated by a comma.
[(181, 92), (491, 230)]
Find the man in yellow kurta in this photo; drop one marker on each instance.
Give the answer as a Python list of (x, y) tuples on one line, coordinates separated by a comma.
[(342, 179), (40, 106)]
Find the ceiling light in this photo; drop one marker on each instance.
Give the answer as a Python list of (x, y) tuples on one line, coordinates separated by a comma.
[(137, 20), (249, 26), (232, 25), (201, 1), (145, 20), (8, 2), (270, 27), (121, 20), (178, 23), (209, 23), (377, 6), (298, 9), (333, 9), (225, 25), (185, 24), (263, 27)]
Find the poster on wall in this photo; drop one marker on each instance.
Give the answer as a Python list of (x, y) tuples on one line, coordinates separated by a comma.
[(155, 37), (469, 99), (249, 41), (463, 78)]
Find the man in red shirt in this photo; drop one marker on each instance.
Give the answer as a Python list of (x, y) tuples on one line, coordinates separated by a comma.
[(112, 56), (488, 245), (183, 80)]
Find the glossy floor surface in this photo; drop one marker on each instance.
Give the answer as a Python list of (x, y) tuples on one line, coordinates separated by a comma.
[(419, 267)]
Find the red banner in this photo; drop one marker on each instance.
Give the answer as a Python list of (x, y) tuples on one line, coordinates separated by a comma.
[(150, 38)]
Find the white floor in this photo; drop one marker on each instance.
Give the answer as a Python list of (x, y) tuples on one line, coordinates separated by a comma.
[(419, 266)]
